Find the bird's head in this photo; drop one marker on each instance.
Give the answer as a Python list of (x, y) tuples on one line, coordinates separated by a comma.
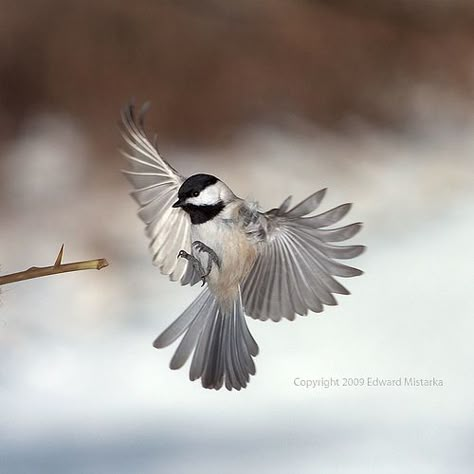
[(203, 195)]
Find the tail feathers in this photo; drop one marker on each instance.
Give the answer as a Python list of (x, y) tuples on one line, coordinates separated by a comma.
[(222, 344), (175, 329)]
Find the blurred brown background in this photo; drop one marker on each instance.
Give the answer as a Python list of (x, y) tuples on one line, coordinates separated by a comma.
[(211, 66)]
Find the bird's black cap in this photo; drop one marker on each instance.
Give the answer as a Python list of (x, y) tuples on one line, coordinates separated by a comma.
[(195, 183)]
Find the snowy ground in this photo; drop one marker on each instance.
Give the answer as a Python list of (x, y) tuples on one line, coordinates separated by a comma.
[(83, 391)]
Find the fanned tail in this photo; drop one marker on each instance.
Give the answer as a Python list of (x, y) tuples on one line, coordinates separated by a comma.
[(222, 344)]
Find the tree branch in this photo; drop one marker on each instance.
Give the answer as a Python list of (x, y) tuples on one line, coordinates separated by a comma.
[(58, 267)]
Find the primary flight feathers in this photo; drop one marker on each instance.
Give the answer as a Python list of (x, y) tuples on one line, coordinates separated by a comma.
[(156, 184)]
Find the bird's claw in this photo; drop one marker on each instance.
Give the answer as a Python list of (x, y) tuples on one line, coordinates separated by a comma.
[(183, 254), (204, 277), (213, 258), (196, 264), (199, 246)]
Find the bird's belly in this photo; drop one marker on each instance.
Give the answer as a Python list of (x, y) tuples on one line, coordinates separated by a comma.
[(236, 255)]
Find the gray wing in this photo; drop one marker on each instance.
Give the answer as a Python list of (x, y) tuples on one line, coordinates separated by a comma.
[(295, 268), (156, 185)]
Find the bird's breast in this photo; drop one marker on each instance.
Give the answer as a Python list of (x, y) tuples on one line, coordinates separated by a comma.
[(235, 252)]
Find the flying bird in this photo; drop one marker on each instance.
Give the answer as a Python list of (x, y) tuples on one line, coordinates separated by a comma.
[(266, 265)]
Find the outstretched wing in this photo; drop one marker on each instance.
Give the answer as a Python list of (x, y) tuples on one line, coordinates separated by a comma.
[(156, 184), (295, 268)]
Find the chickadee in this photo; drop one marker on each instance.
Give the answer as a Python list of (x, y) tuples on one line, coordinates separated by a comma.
[(266, 265)]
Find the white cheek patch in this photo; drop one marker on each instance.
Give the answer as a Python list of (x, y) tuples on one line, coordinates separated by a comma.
[(207, 197)]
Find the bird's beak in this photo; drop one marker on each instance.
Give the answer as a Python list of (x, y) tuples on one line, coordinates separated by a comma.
[(179, 203)]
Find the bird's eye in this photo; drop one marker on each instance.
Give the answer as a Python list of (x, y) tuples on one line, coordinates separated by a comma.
[(196, 193)]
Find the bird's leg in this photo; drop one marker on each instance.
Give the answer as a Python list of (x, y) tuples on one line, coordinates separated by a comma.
[(195, 263), (213, 258)]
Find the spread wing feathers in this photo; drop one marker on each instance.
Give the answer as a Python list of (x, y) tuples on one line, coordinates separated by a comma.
[(222, 344), (156, 184), (294, 271)]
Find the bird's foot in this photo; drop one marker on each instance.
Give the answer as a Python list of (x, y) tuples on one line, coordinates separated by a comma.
[(213, 258), (196, 265)]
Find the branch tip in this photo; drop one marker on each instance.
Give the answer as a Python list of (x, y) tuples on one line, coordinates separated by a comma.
[(102, 263)]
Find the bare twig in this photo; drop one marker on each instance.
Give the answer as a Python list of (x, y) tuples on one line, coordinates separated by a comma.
[(58, 267)]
